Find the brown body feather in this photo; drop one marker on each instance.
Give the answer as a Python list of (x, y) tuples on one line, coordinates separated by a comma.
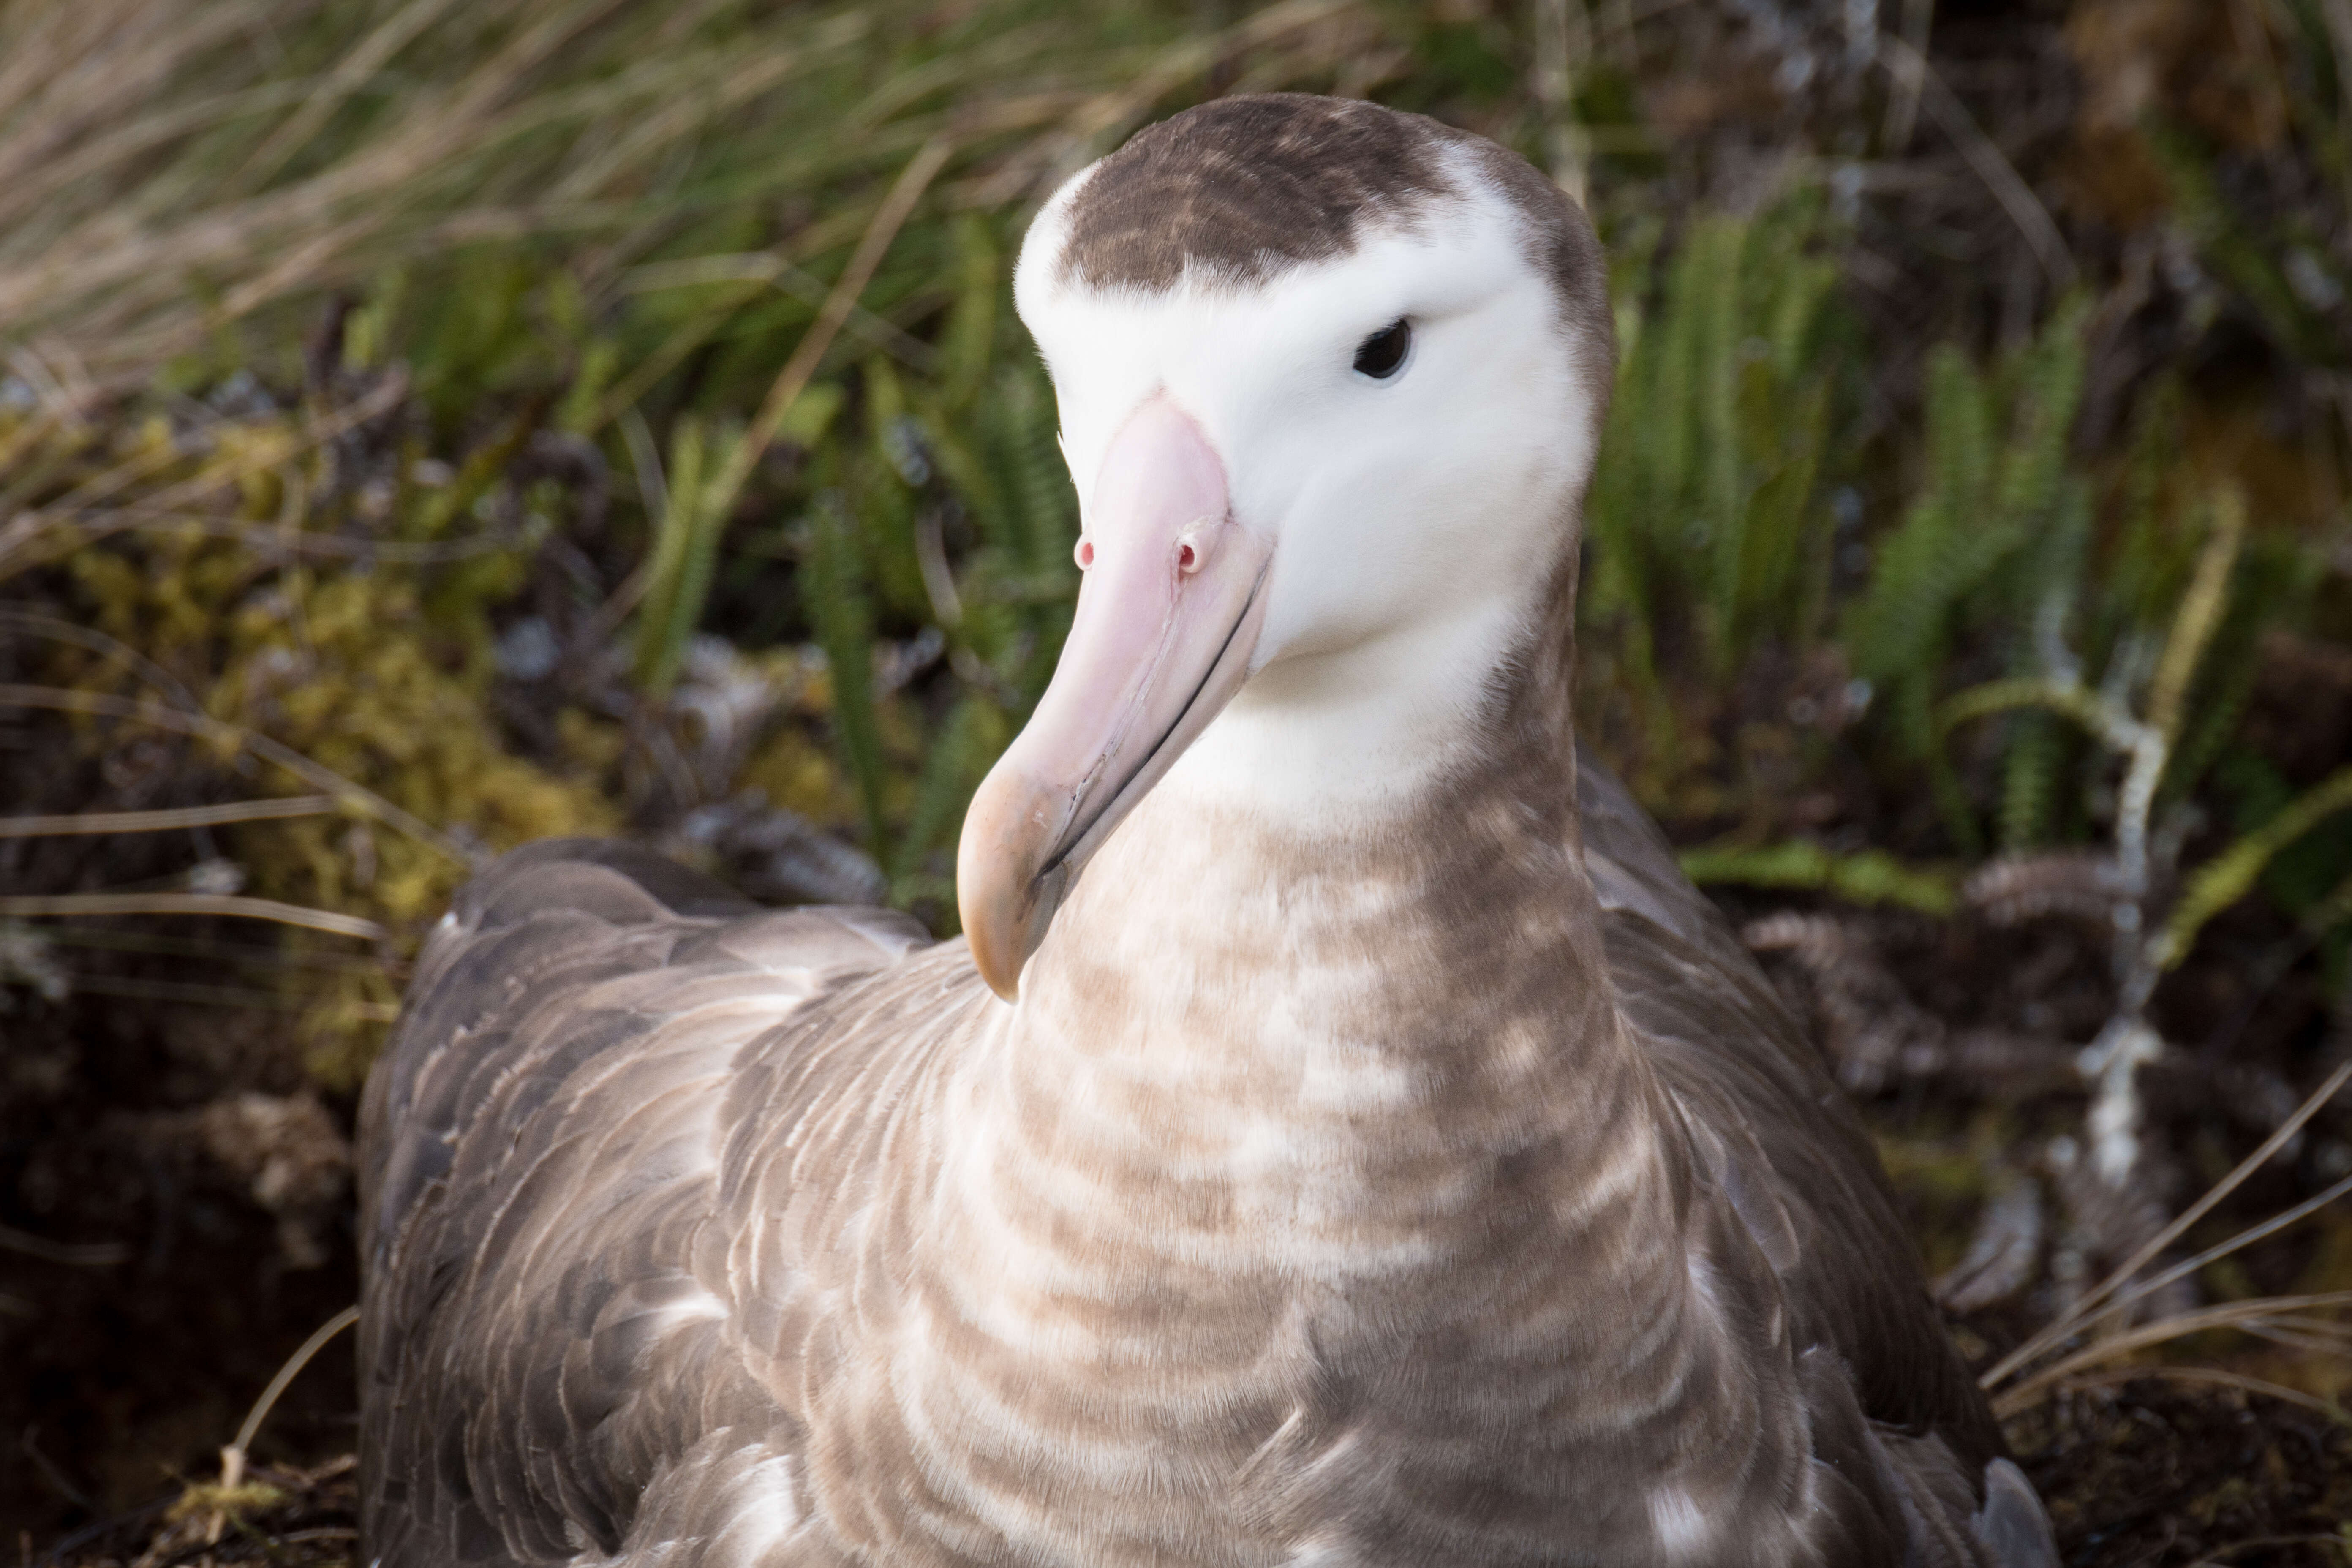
[(1437, 1184), (769, 1236)]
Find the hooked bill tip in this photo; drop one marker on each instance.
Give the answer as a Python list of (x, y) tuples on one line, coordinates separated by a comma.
[(1006, 901)]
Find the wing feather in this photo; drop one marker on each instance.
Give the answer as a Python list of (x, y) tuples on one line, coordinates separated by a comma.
[(540, 1164), (1726, 1045)]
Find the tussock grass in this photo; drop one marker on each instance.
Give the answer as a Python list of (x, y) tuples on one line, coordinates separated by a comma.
[(166, 173)]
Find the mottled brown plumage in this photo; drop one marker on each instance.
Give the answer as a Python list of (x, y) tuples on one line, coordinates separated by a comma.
[(1426, 1179), (1267, 183)]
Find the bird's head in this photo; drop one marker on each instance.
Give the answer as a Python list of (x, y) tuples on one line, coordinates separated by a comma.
[(1331, 378)]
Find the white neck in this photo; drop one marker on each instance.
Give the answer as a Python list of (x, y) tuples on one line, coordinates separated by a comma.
[(1316, 741)]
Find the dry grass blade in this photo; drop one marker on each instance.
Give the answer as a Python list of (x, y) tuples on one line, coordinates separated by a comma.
[(229, 905), (794, 379), (708, 504), (682, 115), (1992, 166), (220, 733), (37, 538), (1902, 117), (71, 67), (2233, 1315), (76, 1254), (249, 955), (839, 304), (2211, 1376), (273, 540), (233, 1457), (767, 268), (34, 624), (350, 74), (288, 1373), (242, 997), (164, 821), (2071, 1320), (2316, 1336), (145, 136), (2245, 1238)]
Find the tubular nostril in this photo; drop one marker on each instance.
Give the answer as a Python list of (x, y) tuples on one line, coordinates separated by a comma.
[(1187, 559), (1086, 554), (1189, 549)]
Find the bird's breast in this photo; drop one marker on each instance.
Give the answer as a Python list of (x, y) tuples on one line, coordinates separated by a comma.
[(1261, 1195)]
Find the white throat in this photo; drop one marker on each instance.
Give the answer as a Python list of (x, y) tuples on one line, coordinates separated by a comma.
[(1318, 741)]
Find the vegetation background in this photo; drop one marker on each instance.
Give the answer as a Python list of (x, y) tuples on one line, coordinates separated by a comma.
[(426, 427)]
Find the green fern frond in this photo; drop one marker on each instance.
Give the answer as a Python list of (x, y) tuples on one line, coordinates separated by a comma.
[(1869, 877), (968, 340), (1781, 529), (2033, 754), (2030, 692), (835, 595), (2269, 580), (2232, 875), (686, 549), (1027, 429), (2046, 389), (958, 755), (2199, 615)]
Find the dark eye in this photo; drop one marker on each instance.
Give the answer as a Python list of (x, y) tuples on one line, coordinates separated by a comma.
[(1380, 355)]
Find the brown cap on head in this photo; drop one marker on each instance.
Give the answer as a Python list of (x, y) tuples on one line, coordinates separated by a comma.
[(1241, 189)]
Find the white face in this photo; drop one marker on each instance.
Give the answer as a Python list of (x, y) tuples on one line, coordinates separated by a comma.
[(1302, 578), (1435, 495)]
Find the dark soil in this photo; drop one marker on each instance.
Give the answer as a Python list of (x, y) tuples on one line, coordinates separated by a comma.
[(2152, 1472), (125, 1378), (287, 1516), (2147, 1473)]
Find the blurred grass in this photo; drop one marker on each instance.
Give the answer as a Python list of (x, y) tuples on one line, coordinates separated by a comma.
[(421, 388)]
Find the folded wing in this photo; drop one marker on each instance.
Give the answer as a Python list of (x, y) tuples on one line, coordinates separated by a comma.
[(1784, 1147), (543, 1357)]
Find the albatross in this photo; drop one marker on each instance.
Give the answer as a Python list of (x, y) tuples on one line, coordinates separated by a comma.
[(1341, 1136)]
